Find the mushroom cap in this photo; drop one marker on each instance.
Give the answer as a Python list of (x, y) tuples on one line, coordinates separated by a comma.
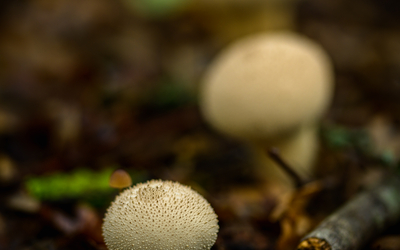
[(160, 215), (267, 86), (120, 179)]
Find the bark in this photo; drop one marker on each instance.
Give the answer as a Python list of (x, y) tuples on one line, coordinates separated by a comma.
[(358, 221)]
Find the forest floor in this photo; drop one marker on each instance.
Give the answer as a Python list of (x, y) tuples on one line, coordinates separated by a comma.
[(88, 87)]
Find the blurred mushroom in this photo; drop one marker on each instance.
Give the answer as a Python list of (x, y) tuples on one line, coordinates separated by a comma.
[(270, 90), (120, 179)]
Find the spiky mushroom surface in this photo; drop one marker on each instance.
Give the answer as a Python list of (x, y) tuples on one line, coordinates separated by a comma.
[(160, 215)]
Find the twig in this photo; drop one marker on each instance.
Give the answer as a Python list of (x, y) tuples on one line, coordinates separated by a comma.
[(357, 222), (276, 156)]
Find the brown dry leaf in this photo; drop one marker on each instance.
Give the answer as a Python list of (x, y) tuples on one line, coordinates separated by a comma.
[(295, 221)]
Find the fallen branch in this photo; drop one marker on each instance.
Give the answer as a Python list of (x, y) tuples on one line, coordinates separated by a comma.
[(357, 222)]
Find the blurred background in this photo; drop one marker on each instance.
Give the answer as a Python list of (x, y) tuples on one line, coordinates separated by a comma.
[(90, 86)]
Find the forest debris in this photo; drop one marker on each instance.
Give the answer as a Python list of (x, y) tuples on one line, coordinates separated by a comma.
[(242, 235), (85, 221), (8, 121), (67, 122), (295, 221), (391, 242), (24, 202), (385, 137), (248, 203), (2, 227), (223, 22), (186, 148), (365, 216), (8, 170)]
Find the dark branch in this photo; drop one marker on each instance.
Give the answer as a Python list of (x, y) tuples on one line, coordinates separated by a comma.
[(276, 156), (361, 219)]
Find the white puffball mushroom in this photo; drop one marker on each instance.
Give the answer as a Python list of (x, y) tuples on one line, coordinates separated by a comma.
[(160, 215), (270, 89)]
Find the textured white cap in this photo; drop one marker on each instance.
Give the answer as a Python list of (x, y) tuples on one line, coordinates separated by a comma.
[(266, 86), (160, 215)]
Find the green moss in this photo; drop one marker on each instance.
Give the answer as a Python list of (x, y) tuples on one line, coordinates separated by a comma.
[(82, 184), (171, 95), (338, 137), (341, 138)]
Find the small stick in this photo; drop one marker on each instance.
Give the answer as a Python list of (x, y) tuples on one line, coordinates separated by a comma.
[(276, 156), (358, 221)]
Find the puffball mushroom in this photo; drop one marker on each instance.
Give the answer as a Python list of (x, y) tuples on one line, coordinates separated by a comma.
[(270, 89), (160, 215)]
